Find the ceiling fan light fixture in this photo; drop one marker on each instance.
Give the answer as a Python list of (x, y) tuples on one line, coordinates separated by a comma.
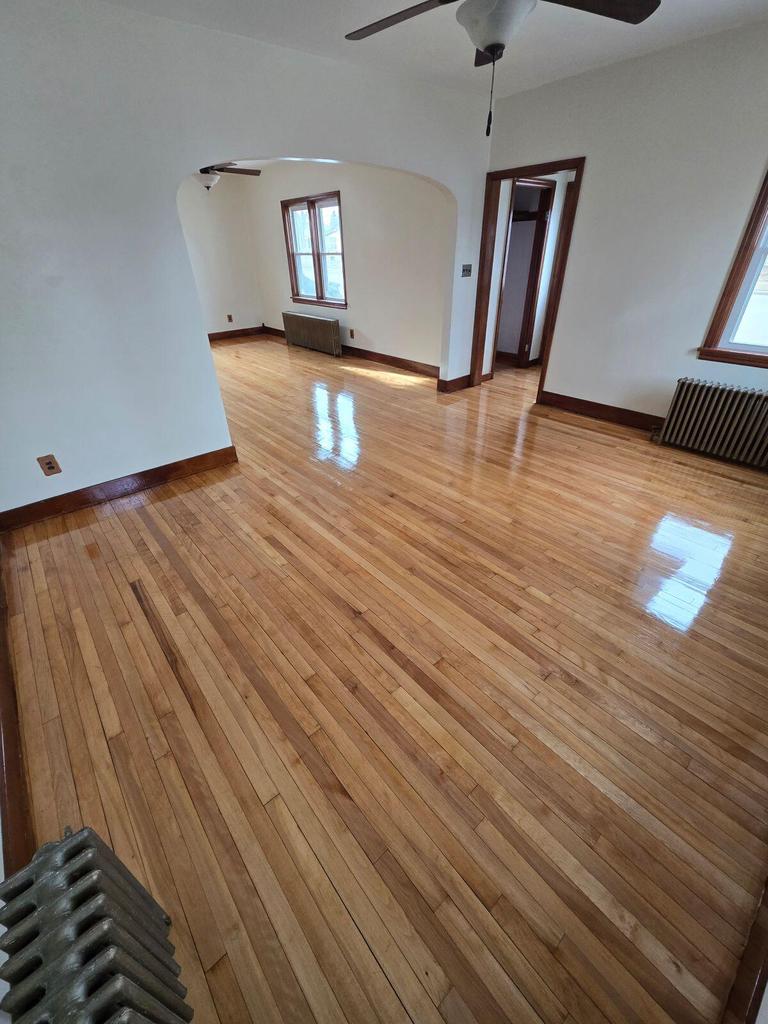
[(207, 178), (491, 24)]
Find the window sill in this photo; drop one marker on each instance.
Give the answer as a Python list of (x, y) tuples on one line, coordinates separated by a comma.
[(319, 302), (734, 355)]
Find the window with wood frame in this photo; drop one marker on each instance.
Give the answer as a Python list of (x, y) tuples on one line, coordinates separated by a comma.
[(739, 329), (315, 249)]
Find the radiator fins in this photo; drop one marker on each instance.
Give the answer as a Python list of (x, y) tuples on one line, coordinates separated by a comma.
[(320, 333), (719, 420), (86, 944)]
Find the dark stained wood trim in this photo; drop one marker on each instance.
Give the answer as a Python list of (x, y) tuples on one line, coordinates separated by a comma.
[(487, 245), (734, 355), (758, 219), (311, 203), (534, 275), (484, 273), (247, 332), (751, 979), (242, 332), (425, 369), (536, 170), (15, 808), (598, 411), (318, 302), (455, 384), (117, 488)]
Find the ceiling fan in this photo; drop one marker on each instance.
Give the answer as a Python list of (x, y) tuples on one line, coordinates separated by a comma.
[(490, 24), (208, 176)]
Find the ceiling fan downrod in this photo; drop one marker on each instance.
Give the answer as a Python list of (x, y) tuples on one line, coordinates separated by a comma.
[(495, 51)]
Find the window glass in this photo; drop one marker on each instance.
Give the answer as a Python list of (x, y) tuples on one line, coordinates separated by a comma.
[(305, 276), (315, 249)]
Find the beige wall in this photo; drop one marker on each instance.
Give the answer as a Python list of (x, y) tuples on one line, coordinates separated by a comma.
[(399, 239), (221, 241)]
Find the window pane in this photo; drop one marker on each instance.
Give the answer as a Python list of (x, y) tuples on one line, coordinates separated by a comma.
[(333, 277), (305, 276), (302, 237), (752, 327), (330, 225)]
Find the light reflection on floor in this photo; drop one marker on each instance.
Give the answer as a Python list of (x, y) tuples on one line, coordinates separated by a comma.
[(701, 554), (336, 435)]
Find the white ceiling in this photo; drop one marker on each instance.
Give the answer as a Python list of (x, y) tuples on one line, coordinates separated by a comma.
[(554, 42)]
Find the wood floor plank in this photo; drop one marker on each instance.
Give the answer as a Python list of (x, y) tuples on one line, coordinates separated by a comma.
[(433, 708)]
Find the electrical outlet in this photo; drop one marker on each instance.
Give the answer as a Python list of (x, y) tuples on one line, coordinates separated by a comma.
[(230, 318), (49, 464), (466, 270), (351, 333)]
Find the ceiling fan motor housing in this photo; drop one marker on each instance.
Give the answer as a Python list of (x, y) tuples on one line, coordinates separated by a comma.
[(490, 24)]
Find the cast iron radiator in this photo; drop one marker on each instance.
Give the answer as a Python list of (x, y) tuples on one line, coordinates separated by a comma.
[(317, 332), (718, 419), (86, 943)]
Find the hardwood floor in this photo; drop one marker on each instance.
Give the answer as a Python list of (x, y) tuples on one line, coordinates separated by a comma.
[(433, 708)]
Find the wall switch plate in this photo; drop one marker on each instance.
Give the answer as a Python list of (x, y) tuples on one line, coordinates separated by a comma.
[(466, 270), (230, 318), (351, 333), (49, 464)]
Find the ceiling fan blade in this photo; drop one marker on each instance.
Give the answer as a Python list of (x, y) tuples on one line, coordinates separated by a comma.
[(395, 19), (631, 11), (224, 169), (482, 57)]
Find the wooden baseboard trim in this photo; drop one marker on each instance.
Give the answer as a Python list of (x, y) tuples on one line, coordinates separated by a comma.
[(15, 807), (751, 979), (241, 332), (425, 369), (610, 413), (456, 384), (246, 332), (118, 488)]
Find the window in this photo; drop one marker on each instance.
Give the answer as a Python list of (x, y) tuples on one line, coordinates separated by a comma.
[(739, 329), (315, 249)]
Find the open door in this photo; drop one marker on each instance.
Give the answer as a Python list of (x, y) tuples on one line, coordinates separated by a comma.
[(527, 226), (521, 275)]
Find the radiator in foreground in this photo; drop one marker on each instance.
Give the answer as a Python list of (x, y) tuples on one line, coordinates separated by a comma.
[(85, 942), (721, 420)]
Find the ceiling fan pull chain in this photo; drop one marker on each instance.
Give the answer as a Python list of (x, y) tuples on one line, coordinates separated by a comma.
[(490, 103)]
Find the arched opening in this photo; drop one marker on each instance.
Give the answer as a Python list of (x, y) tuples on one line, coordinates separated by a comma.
[(399, 240)]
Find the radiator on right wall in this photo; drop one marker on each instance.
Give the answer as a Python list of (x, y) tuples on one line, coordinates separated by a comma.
[(720, 420)]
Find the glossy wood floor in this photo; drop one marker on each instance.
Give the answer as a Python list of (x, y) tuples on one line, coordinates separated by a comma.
[(434, 708)]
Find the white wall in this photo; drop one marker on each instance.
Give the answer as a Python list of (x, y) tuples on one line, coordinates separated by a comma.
[(399, 241), (675, 148), (220, 235), (103, 354), (561, 179)]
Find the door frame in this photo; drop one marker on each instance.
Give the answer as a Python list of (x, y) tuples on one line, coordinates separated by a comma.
[(488, 244)]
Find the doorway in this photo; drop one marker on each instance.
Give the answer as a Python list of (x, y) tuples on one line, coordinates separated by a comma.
[(520, 280), (527, 226)]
